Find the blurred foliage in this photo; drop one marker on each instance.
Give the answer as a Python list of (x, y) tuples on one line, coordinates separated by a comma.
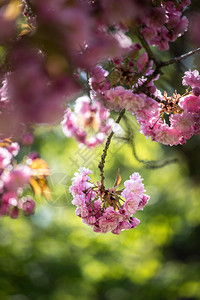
[(53, 256)]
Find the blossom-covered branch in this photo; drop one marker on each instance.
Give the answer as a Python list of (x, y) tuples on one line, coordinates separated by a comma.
[(80, 60)]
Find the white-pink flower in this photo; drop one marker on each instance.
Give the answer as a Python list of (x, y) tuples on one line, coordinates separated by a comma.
[(5, 157), (134, 188), (114, 98), (14, 148), (27, 204), (184, 124), (88, 123), (191, 78), (16, 178), (190, 104)]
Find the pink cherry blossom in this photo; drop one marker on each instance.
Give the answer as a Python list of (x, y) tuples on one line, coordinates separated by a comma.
[(5, 158), (134, 189), (191, 78), (27, 204), (89, 123), (114, 98), (17, 178), (165, 24), (109, 220), (8, 200), (27, 138), (190, 104), (13, 148)]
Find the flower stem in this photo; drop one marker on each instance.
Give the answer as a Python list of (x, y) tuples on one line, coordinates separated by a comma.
[(105, 150)]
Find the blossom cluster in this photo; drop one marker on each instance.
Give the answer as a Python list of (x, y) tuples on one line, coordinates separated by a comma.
[(182, 112), (169, 120), (89, 123), (108, 210), (72, 39), (16, 178), (23, 102), (75, 37), (13, 179), (129, 70), (165, 23), (51, 53)]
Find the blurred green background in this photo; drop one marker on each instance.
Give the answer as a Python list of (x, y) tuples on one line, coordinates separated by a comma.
[(53, 255)]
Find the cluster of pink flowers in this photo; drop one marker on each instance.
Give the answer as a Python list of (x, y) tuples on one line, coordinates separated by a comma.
[(165, 23), (89, 123), (14, 178), (106, 210), (116, 89), (182, 112), (75, 36), (25, 103), (119, 98), (54, 46)]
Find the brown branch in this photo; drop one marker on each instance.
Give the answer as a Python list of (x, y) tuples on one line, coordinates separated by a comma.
[(149, 94), (158, 63), (161, 64), (146, 46), (178, 58), (153, 164), (149, 78)]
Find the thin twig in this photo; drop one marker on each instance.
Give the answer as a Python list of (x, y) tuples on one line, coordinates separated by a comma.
[(161, 64), (153, 164), (149, 164), (105, 150), (149, 94), (178, 58), (151, 77)]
